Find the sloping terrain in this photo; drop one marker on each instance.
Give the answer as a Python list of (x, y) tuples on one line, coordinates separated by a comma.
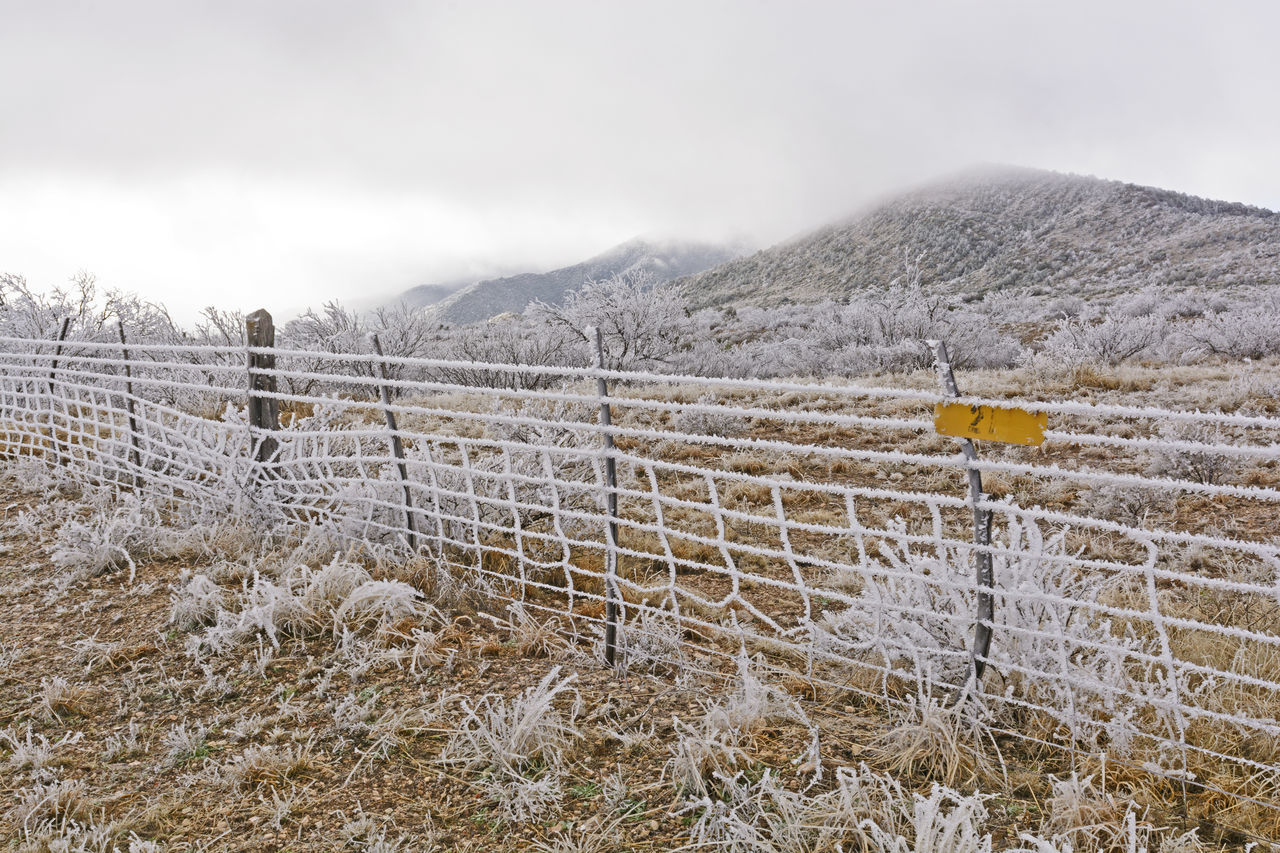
[(661, 261), (993, 229), (430, 294)]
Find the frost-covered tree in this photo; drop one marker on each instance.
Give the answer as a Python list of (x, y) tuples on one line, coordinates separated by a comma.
[(643, 325)]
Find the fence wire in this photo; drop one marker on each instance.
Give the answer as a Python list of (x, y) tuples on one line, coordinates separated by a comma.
[(824, 528)]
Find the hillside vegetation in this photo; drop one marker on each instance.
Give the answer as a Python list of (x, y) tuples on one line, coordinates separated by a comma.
[(998, 229)]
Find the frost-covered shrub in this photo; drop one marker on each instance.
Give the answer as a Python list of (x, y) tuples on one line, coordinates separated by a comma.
[(508, 340), (1127, 504), (880, 332), (643, 324), (1248, 329), (713, 746), (108, 540), (520, 744), (380, 603), (652, 643), (340, 597), (916, 609), (1206, 465), (709, 422), (1109, 342), (195, 602)]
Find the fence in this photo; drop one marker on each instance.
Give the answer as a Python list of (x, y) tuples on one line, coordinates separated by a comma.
[(1133, 606)]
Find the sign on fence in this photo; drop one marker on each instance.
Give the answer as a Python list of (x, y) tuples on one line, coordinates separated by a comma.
[(990, 423)]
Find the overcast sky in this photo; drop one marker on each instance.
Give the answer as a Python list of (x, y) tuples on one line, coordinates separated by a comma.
[(267, 153)]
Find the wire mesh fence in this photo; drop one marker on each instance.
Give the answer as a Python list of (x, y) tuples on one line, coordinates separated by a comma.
[(825, 529)]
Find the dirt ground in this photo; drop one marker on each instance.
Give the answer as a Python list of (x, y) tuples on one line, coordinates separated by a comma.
[(125, 670)]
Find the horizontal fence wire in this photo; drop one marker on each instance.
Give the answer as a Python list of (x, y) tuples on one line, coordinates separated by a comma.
[(823, 528)]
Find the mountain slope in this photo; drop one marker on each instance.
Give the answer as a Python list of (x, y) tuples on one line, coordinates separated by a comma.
[(430, 294), (662, 260), (992, 229)]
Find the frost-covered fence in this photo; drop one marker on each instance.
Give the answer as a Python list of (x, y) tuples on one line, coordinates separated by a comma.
[(824, 528)]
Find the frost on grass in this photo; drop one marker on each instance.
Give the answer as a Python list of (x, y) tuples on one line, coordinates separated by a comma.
[(380, 603), (945, 821), (54, 801), (340, 598), (122, 745), (707, 421), (108, 540), (652, 643), (29, 751), (714, 746), (931, 739), (519, 746), (912, 621), (366, 834), (59, 698), (533, 637), (265, 766), (864, 810), (72, 836), (1199, 465), (1085, 818), (195, 601), (183, 743)]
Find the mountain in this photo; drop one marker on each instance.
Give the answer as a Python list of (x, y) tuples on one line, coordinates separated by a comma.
[(430, 294), (1000, 227), (663, 260)]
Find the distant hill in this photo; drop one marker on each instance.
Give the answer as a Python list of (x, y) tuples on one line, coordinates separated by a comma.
[(663, 260), (425, 295), (997, 228)]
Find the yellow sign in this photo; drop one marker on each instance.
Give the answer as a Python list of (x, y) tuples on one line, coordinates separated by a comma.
[(989, 423)]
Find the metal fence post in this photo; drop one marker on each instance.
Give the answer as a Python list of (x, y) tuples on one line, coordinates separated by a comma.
[(53, 377), (134, 438), (611, 504), (983, 571), (264, 411), (397, 446)]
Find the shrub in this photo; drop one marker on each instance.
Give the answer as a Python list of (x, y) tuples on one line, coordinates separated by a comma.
[(519, 744)]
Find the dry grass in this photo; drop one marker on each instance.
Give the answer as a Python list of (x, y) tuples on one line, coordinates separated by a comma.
[(130, 676)]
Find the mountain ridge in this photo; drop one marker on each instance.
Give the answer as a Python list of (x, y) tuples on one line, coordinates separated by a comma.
[(661, 260), (994, 228)]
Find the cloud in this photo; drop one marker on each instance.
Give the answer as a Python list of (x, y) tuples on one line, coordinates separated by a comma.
[(330, 141)]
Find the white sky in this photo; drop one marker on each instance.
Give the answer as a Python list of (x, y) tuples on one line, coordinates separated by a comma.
[(279, 153)]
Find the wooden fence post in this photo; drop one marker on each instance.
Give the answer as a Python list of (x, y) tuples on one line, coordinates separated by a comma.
[(134, 438), (984, 574), (611, 502), (397, 446), (264, 411)]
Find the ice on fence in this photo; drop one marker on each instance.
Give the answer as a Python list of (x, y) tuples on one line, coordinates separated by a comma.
[(823, 530)]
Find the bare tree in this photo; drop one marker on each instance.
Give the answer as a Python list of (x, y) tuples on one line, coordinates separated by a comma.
[(643, 324)]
